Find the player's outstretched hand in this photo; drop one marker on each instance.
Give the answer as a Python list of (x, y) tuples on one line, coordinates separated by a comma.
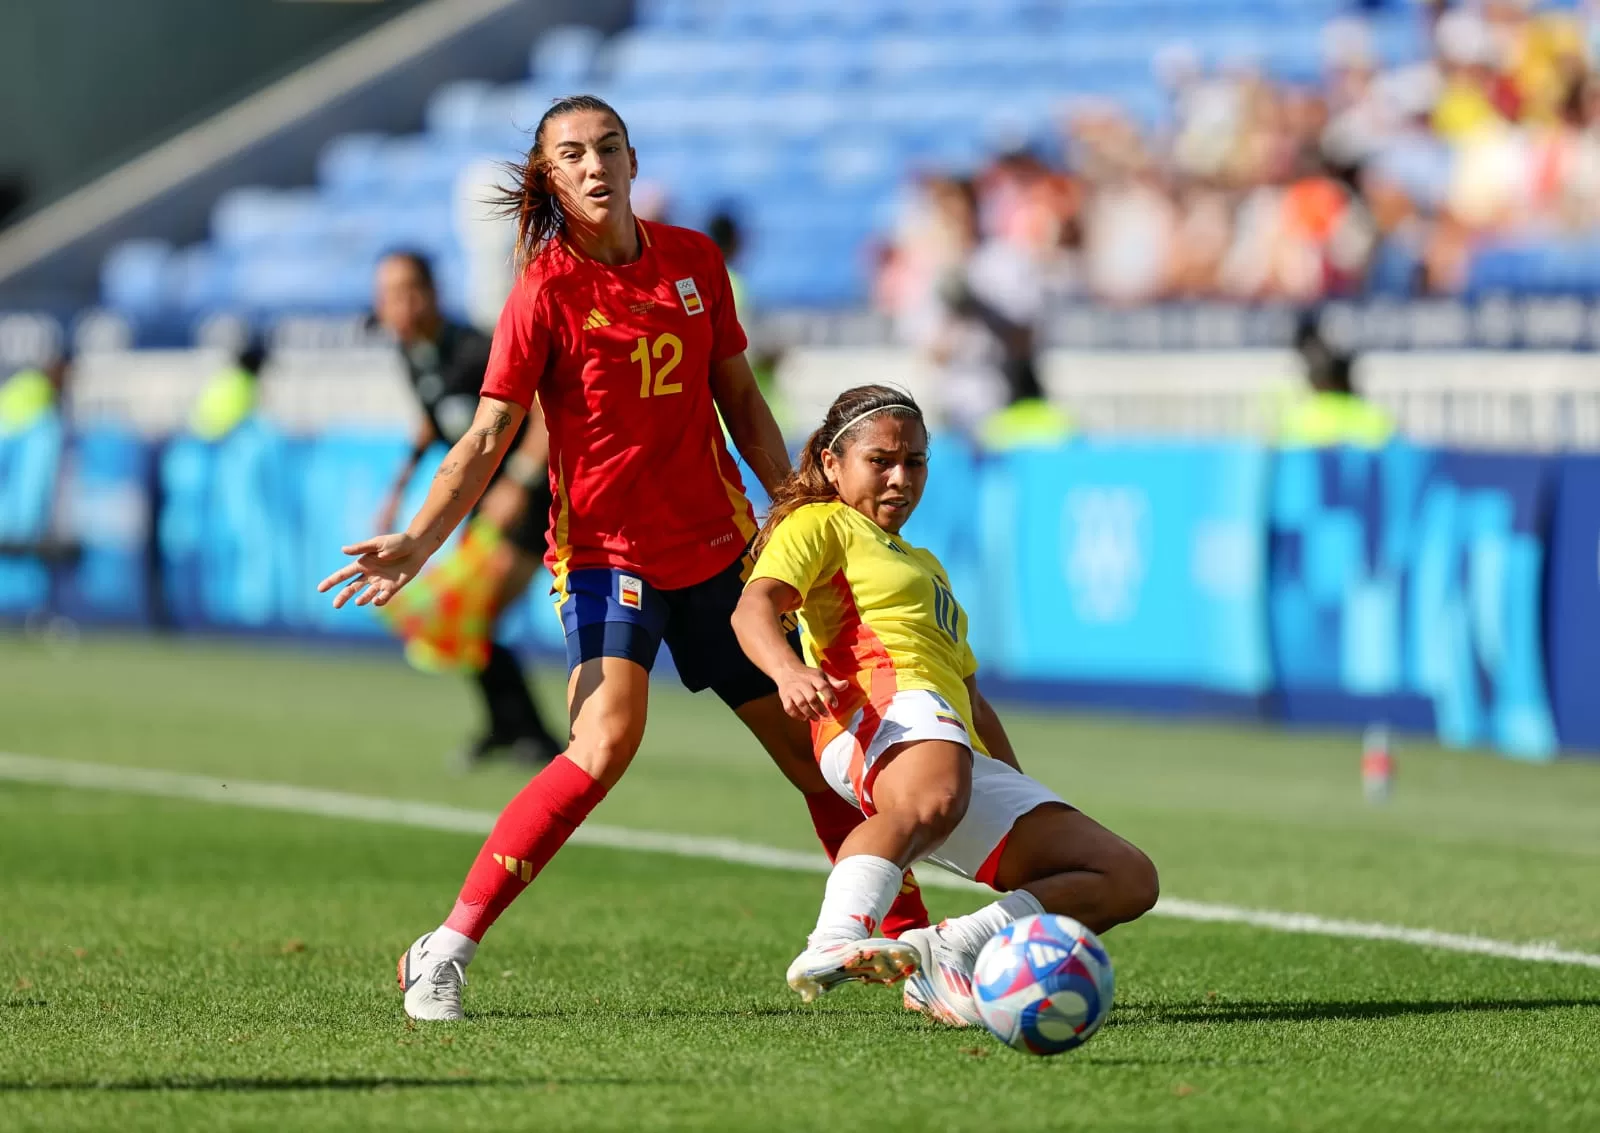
[(383, 565), (810, 694)]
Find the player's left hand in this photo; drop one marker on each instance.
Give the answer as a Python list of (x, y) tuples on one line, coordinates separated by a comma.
[(504, 504)]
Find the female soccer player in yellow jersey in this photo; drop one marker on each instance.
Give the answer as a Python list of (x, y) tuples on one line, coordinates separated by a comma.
[(899, 727)]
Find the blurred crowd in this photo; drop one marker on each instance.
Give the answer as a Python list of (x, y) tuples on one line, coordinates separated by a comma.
[(1372, 180)]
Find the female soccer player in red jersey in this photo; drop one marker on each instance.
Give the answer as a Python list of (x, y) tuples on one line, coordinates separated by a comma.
[(626, 333), (900, 727)]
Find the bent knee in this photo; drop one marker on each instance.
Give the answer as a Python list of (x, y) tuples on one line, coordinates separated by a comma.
[(1136, 883), (604, 752), (940, 812)]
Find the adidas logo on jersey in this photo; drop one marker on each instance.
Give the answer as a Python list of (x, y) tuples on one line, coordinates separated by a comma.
[(595, 320)]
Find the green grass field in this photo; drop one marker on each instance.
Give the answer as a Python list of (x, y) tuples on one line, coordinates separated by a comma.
[(170, 964)]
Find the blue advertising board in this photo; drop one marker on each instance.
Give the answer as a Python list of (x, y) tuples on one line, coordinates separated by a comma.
[(1406, 586), (1572, 606), (30, 463), (1450, 591), (106, 509), (1134, 564)]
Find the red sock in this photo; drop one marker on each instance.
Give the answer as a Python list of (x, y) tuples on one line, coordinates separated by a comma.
[(530, 830), (833, 819)]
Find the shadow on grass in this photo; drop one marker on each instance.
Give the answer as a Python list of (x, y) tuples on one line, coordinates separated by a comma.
[(368, 1082), (1267, 1011), (795, 1012)]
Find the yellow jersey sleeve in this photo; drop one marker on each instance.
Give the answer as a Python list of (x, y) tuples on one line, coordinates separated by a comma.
[(969, 660), (804, 549)]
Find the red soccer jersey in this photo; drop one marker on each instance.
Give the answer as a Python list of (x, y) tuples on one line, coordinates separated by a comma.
[(620, 358)]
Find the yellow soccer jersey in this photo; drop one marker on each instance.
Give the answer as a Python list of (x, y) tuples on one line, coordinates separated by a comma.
[(876, 611)]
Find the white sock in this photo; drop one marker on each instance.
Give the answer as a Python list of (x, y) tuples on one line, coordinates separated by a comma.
[(860, 891), (453, 945), (970, 933)]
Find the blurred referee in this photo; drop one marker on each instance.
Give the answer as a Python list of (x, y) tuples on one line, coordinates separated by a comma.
[(445, 362)]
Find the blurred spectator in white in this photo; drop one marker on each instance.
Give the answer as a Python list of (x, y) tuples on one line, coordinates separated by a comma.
[(1395, 180), (968, 303)]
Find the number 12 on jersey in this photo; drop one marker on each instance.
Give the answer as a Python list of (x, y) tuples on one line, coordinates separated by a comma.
[(668, 346)]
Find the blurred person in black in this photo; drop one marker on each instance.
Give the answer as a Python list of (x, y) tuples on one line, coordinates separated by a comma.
[(728, 235), (445, 362)]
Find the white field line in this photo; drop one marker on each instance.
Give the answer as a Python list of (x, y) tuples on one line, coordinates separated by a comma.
[(338, 804)]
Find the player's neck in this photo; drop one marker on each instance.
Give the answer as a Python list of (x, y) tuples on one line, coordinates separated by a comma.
[(613, 243)]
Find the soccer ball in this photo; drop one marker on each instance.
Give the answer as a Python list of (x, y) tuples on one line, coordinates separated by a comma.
[(1043, 984)]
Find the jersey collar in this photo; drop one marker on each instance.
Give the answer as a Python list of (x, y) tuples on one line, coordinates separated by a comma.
[(645, 244)]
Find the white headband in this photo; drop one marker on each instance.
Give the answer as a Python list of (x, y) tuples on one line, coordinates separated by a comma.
[(860, 417)]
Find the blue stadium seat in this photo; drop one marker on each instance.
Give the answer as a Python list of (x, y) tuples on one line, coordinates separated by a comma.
[(1400, 37), (863, 163), (418, 167), (795, 18), (351, 163), (639, 58), (817, 64), (199, 281), (133, 277), (676, 15), (565, 56), (275, 285), (250, 218), (454, 109), (905, 62)]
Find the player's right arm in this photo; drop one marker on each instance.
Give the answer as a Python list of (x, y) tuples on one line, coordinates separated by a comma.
[(385, 563), (802, 549), (517, 361), (806, 693)]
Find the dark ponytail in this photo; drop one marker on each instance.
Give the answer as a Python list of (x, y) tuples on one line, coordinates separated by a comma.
[(528, 199), (808, 484)]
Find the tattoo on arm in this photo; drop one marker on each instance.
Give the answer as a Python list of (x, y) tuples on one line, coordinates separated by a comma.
[(501, 422), (455, 494), (446, 469)]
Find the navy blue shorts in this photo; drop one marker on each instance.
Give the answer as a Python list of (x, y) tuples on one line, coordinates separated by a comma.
[(608, 612)]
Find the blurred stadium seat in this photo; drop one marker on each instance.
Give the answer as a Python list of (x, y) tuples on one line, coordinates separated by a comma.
[(806, 118)]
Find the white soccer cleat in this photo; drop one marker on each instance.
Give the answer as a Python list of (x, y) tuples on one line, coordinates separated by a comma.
[(875, 960), (432, 983), (941, 987)]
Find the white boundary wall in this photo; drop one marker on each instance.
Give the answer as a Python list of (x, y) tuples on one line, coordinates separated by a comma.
[(1484, 399)]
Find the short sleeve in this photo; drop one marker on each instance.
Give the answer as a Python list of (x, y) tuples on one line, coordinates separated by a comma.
[(804, 548), (521, 347), (727, 335), (969, 660)]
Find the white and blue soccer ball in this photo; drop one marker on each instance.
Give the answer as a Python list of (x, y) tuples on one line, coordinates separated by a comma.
[(1043, 984)]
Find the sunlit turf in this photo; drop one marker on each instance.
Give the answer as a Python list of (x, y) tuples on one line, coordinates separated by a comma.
[(173, 965)]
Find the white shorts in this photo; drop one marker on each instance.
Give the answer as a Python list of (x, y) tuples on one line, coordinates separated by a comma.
[(1000, 793)]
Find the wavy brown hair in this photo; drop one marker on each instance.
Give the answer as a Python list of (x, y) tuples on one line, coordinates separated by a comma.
[(807, 484), (528, 199)]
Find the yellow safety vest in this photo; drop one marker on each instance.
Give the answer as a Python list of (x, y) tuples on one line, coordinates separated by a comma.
[(1030, 423), (24, 400), (223, 404), (1323, 420)]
